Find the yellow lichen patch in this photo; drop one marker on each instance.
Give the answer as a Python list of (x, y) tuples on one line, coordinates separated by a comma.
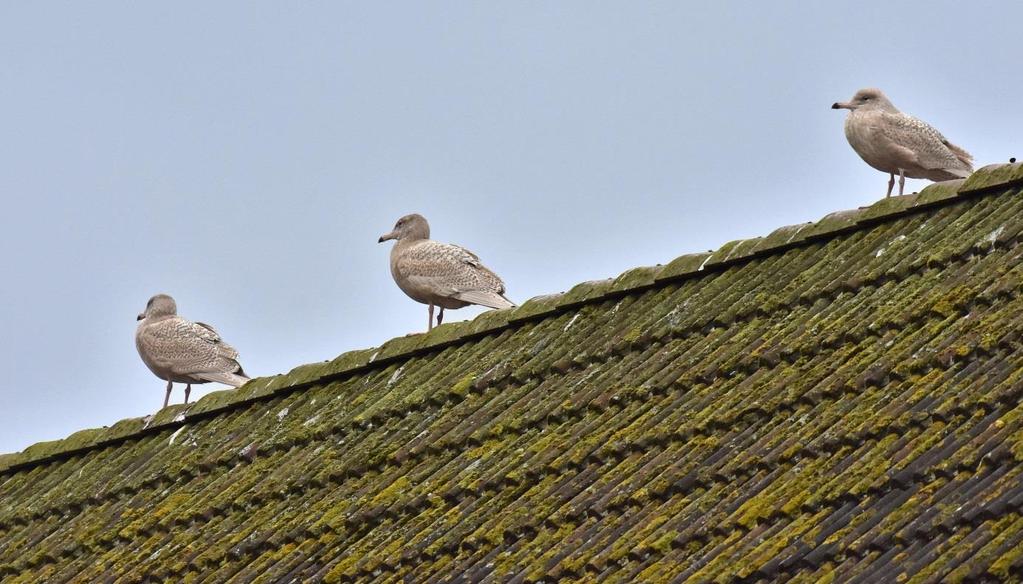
[(462, 387)]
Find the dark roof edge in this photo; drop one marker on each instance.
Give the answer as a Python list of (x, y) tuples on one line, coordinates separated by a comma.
[(992, 178)]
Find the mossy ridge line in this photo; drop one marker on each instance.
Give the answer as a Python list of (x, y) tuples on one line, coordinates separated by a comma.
[(204, 415), (192, 418), (874, 330), (231, 461), (78, 475), (458, 339)]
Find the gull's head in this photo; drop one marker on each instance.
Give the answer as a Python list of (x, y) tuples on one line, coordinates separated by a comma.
[(870, 98), (159, 305), (410, 227)]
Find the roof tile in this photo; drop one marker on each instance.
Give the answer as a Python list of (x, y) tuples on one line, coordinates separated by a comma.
[(994, 176)]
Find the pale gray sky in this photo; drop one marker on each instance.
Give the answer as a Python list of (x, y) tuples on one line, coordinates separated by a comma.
[(244, 157)]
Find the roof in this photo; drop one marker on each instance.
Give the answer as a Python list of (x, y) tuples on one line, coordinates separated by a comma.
[(836, 401)]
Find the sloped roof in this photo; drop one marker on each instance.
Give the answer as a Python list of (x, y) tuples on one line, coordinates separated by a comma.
[(835, 401)]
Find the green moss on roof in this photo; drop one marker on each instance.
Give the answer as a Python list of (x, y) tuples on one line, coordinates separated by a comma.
[(937, 192), (993, 176), (836, 222), (636, 278), (836, 399), (684, 265)]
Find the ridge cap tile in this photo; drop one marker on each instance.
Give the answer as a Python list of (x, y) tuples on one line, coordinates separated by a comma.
[(535, 307), (784, 237), (836, 222), (491, 321), (993, 176), (938, 192), (585, 291), (640, 277), (887, 208), (732, 251), (683, 265)]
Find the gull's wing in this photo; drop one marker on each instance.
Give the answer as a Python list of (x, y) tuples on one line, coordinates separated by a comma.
[(449, 270), (925, 144), (184, 347)]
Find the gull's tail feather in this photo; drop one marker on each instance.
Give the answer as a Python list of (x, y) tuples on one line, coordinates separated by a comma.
[(965, 157), (483, 298), (231, 379)]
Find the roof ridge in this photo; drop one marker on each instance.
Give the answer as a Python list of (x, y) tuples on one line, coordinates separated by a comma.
[(985, 180)]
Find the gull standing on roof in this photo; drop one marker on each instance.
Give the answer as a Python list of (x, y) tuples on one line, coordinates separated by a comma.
[(182, 351), (897, 143), (440, 274)]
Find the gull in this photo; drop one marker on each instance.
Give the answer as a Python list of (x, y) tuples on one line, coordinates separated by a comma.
[(897, 143), (440, 274), (179, 350)]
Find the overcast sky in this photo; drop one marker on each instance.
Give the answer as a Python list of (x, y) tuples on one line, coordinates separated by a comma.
[(245, 157)]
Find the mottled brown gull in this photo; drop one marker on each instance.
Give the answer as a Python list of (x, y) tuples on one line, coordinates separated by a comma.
[(897, 143), (182, 351), (440, 274)]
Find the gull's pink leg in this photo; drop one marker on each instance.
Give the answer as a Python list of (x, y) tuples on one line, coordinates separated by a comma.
[(891, 184), (440, 316), (166, 398), (902, 180), (188, 390), (429, 319)]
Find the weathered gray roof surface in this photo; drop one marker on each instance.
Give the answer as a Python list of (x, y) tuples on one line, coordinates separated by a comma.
[(838, 400)]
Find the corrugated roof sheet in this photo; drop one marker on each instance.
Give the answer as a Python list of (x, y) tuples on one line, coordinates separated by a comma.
[(835, 401)]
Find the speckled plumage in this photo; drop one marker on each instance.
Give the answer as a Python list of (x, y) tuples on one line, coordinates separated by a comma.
[(897, 143), (181, 351), (440, 274)]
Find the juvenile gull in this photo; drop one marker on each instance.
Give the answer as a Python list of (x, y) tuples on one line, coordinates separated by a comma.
[(896, 143), (440, 274), (182, 351)]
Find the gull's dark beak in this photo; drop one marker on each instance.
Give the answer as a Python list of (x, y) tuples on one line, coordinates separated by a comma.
[(840, 105), (140, 317), (386, 236)]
